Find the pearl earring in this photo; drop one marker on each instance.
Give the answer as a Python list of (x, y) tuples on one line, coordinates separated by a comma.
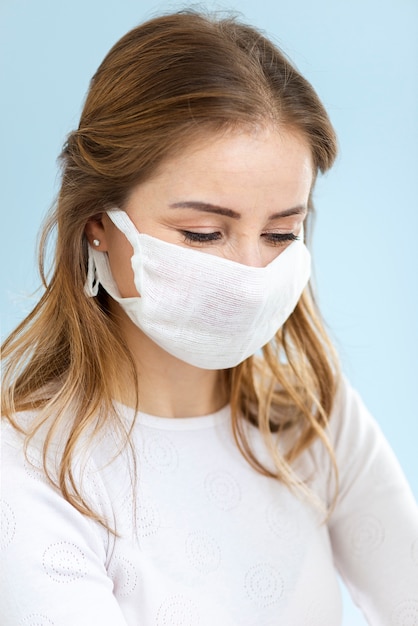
[(96, 242)]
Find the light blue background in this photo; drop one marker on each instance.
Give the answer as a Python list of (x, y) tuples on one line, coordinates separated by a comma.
[(362, 58)]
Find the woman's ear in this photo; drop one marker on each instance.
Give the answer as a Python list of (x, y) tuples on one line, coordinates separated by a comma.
[(95, 233)]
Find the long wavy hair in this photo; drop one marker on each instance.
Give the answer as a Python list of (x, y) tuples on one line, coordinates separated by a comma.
[(162, 85)]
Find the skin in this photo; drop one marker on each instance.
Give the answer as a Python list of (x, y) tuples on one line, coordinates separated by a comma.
[(261, 181)]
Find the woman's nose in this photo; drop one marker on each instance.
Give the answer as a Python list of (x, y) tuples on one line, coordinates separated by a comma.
[(250, 254)]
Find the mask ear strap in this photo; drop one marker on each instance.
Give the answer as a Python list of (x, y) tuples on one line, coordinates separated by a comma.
[(122, 221), (91, 286)]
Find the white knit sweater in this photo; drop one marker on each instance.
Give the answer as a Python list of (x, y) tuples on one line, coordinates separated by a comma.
[(212, 542)]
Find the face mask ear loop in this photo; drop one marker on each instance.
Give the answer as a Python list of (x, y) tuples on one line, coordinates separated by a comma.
[(122, 221), (91, 286)]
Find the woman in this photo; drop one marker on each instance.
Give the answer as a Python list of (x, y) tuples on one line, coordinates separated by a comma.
[(180, 445)]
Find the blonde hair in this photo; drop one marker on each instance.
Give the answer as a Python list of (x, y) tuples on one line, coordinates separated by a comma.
[(163, 83)]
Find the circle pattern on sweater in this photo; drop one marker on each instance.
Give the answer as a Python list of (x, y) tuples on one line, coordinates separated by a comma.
[(264, 584), (64, 562), (203, 552), (366, 534), (223, 490), (147, 518), (36, 619), (160, 453), (406, 614), (93, 487), (124, 576), (178, 610), (8, 524)]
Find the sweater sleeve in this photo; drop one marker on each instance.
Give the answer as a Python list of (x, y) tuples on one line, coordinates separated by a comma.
[(53, 559), (374, 526)]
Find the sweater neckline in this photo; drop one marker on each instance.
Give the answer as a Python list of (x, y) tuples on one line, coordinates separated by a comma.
[(197, 422)]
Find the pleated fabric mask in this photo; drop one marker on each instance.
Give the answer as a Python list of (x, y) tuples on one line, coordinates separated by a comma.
[(208, 311)]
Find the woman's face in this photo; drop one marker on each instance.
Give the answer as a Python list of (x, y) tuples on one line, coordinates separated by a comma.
[(242, 196)]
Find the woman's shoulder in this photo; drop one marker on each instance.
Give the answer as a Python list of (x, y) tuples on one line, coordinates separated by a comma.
[(31, 470), (357, 450), (16, 451), (354, 432)]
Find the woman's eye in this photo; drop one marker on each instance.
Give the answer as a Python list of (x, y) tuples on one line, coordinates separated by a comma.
[(278, 239), (193, 237)]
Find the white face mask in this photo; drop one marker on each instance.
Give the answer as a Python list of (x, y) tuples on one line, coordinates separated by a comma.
[(208, 311)]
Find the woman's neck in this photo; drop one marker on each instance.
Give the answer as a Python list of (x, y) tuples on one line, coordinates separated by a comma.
[(168, 387)]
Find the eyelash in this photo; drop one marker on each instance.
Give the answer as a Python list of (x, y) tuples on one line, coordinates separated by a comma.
[(278, 238), (273, 238), (192, 237)]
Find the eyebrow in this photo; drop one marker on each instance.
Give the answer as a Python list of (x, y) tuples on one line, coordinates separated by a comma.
[(214, 208)]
